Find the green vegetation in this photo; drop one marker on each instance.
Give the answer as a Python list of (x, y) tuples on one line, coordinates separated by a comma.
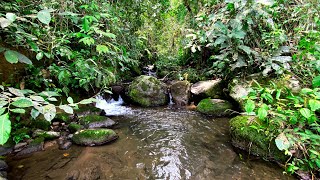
[(82, 47)]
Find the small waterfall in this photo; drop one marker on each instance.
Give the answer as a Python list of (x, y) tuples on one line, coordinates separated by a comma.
[(170, 99), (112, 107)]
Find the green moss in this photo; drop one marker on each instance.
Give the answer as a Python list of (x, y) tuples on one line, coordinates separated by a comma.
[(144, 86), (40, 123), (91, 118), (63, 117), (93, 136), (74, 127), (214, 107), (256, 142)]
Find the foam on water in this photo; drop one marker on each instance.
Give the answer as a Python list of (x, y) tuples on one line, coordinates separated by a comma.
[(112, 107)]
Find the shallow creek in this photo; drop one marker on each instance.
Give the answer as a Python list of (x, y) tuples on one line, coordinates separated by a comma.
[(154, 143)]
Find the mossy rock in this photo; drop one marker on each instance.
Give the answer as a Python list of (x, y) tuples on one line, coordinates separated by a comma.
[(214, 107), (148, 91), (74, 127), (94, 137), (64, 117), (208, 89), (40, 123), (85, 120), (180, 92), (47, 135), (37, 141), (256, 142)]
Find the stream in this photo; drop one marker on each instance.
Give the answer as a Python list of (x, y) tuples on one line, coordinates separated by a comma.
[(154, 143)]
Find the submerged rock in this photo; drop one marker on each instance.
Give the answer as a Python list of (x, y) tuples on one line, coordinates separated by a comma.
[(180, 92), (256, 142), (94, 137), (215, 107), (210, 88), (86, 120), (148, 91)]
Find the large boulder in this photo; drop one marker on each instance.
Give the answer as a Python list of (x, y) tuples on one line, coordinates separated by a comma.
[(94, 137), (238, 89), (209, 88), (148, 91), (180, 92), (256, 142), (92, 121), (214, 107)]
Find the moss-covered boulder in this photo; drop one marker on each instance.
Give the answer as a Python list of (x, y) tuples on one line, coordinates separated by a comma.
[(180, 92), (148, 91), (256, 142), (63, 117), (210, 88), (74, 127), (214, 107), (94, 137)]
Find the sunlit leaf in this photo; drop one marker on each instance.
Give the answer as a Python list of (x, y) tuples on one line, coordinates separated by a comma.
[(16, 92), (11, 56), (49, 112), (87, 101), (282, 142), (11, 17), (305, 112), (70, 100), (250, 106), (44, 16), (314, 104), (4, 22), (66, 109), (34, 113), (5, 128), (18, 110), (22, 103)]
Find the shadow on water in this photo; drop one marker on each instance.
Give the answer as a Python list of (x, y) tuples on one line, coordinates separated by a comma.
[(154, 143)]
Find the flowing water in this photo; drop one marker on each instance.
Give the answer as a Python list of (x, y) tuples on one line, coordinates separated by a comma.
[(154, 143)]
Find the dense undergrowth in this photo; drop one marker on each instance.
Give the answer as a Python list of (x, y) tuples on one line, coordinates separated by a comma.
[(89, 45)]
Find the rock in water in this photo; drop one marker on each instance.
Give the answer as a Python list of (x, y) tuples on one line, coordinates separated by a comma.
[(210, 88), (180, 92), (108, 123), (94, 137), (148, 91), (214, 107), (256, 142)]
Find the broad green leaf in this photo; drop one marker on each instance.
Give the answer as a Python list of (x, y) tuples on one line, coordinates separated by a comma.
[(85, 24), (282, 142), (49, 93), (5, 128), (11, 17), (316, 81), (250, 106), (87, 101), (49, 112), (220, 40), (306, 90), (3, 103), (314, 104), (39, 56), (23, 59), (11, 56), (22, 103), (16, 92), (18, 110), (44, 16), (34, 113), (37, 98), (318, 162), (53, 99), (262, 113), (305, 112), (246, 49), (70, 100), (278, 94), (2, 110), (66, 109)]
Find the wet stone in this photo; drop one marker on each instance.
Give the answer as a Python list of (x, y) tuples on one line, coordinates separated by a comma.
[(3, 165), (66, 145), (108, 123)]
